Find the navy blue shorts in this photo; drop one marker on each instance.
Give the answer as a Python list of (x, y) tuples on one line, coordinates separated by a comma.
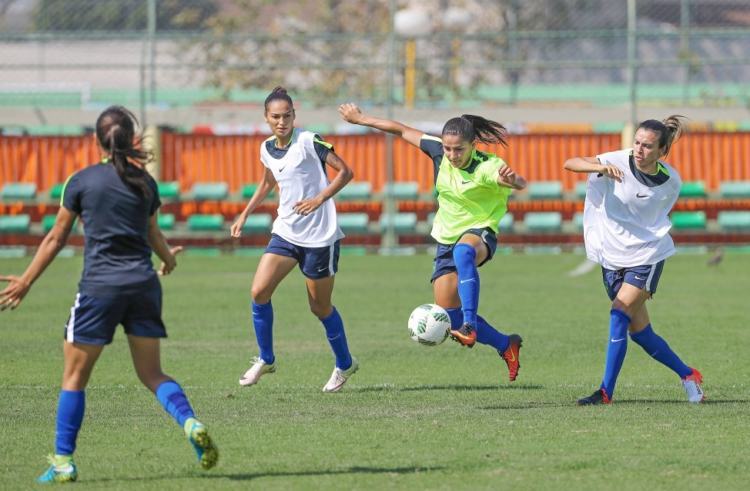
[(93, 319), (314, 262), (643, 277), (443, 263)]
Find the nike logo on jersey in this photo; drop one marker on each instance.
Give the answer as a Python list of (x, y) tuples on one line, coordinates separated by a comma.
[(282, 169), (639, 195), (616, 340), (465, 182)]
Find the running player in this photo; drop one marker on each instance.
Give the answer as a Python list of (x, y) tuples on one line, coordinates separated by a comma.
[(626, 230), (117, 200), (305, 234), (473, 189)]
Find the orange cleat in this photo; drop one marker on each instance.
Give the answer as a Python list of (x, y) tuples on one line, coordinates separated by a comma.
[(598, 397), (465, 335), (510, 355)]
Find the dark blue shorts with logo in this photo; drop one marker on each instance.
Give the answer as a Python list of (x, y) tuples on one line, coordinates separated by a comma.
[(643, 277)]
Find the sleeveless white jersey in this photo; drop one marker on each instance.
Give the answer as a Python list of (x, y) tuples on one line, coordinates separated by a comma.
[(626, 223), (301, 175)]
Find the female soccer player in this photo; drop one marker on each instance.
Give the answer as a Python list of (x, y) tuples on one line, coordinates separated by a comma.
[(117, 200), (626, 229), (473, 189), (305, 233)]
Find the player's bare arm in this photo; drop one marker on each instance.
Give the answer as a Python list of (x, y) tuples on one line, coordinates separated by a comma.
[(351, 113)]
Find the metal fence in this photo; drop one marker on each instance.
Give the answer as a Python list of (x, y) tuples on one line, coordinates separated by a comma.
[(422, 54)]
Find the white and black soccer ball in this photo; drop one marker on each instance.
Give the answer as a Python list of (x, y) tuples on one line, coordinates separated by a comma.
[(429, 324)]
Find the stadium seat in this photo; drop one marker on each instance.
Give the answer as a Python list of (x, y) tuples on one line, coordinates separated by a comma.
[(47, 222), (580, 189), (578, 221), (15, 224), (169, 190), (689, 220), (506, 223), (203, 191), (248, 190), (734, 221), (734, 189), (55, 192), (548, 221), (258, 223), (18, 191), (402, 190), (403, 223), (355, 223), (166, 221), (545, 190), (205, 223), (355, 191), (693, 189)]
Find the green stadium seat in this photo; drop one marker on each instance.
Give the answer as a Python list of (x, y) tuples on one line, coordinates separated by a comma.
[(18, 191), (689, 220), (169, 190), (402, 190), (48, 221), (693, 189), (248, 190), (205, 223), (545, 190), (734, 189), (15, 224), (580, 189), (55, 192), (355, 223), (258, 223), (578, 221), (546, 221), (734, 221), (355, 191), (506, 223), (403, 223), (215, 191), (166, 221)]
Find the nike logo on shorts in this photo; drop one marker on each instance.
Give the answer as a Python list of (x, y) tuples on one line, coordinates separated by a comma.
[(638, 278)]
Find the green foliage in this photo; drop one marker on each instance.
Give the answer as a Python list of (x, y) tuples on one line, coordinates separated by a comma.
[(413, 417)]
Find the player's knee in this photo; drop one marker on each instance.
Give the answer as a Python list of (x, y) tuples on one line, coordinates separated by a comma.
[(321, 311), (260, 295)]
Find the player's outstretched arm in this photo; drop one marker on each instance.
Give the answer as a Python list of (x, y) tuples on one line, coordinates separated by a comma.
[(159, 245), (591, 165), (18, 286), (266, 185), (351, 113)]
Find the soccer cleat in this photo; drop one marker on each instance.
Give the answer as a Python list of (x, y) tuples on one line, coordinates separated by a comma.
[(339, 377), (692, 384), (598, 397), (465, 335), (256, 371), (62, 469), (510, 355), (208, 454)]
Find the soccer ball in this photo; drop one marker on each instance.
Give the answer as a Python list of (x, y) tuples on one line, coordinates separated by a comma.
[(429, 324)]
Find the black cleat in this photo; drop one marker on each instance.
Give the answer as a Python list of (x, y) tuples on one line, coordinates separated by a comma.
[(598, 397)]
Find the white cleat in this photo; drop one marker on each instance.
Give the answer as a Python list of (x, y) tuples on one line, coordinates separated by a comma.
[(339, 377), (692, 385), (256, 371)]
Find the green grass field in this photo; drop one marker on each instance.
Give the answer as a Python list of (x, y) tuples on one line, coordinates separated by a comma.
[(414, 417)]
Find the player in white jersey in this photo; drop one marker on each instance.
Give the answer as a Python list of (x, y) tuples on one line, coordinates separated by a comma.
[(626, 230), (305, 233)]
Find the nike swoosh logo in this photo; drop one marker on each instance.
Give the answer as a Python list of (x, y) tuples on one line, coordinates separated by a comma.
[(639, 195), (638, 278), (282, 169), (616, 340), (512, 357), (466, 281), (465, 182), (321, 270)]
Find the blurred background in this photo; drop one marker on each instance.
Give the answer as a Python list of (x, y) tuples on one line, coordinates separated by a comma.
[(568, 77)]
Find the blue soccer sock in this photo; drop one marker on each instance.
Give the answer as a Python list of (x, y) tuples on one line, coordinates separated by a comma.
[(617, 346), (70, 408), (456, 316), (334, 326), (174, 401), (660, 351), (263, 324), (468, 281), (486, 334)]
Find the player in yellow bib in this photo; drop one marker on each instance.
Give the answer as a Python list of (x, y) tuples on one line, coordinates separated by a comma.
[(473, 189)]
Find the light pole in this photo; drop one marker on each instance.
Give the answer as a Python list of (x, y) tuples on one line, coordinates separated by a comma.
[(410, 24)]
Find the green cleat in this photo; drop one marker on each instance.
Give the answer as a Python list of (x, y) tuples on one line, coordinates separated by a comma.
[(208, 454), (62, 469)]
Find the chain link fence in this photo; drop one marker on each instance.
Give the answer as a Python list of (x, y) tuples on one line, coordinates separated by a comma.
[(422, 54)]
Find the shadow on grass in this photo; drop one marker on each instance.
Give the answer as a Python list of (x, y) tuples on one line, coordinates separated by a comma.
[(681, 401), (618, 402), (456, 387), (350, 470)]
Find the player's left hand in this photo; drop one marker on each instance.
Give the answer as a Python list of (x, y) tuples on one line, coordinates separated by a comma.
[(506, 175), (13, 294), (307, 206), (168, 266)]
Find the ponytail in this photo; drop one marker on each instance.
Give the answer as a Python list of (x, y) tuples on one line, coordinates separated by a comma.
[(670, 129), (476, 128)]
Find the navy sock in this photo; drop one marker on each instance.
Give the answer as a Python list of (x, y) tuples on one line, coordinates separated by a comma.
[(70, 408), (337, 339), (174, 401), (660, 351), (486, 334), (263, 324), (617, 346), (468, 281)]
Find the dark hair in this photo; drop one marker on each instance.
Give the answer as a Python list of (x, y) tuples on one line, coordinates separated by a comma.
[(115, 131), (278, 93), (670, 130), (476, 128)]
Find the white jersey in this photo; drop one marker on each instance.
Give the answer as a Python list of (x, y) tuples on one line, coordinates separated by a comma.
[(301, 175), (626, 223)]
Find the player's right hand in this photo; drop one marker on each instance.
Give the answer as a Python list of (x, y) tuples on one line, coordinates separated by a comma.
[(11, 296), (350, 113), (611, 171), (236, 229)]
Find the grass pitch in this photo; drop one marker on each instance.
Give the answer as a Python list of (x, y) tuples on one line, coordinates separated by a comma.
[(413, 417)]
